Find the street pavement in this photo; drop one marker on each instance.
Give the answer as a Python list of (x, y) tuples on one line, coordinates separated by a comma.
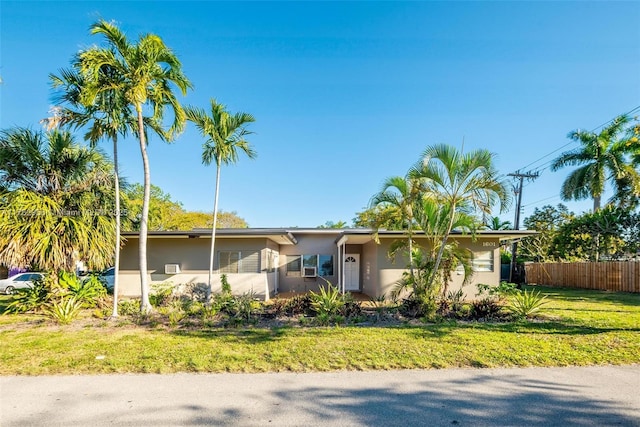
[(573, 396)]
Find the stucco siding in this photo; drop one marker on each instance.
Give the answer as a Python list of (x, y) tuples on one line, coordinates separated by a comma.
[(389, 272), (308, 244), (369, 266), (192, 256)]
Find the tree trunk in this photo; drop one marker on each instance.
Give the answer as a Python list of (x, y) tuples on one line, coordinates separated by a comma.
[(116, 263), (443, 243), (213, 230), (596, 203), (145, 305)]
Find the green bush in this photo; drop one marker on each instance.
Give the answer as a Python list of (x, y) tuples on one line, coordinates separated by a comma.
[(525, 304), (485, 308), (31, 299), (503, 290), (161, 294), (350, 307), (64, 309), (328, 301), (129, 307), (88, 292)]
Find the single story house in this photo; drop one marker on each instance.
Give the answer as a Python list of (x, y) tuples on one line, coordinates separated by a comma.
[(268, 261)]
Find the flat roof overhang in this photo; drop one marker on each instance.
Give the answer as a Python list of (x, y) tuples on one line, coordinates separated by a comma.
[(357, 236), (280, 236)]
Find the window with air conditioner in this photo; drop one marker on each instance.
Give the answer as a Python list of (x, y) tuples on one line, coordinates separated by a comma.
[(309, 272), (171, 268)]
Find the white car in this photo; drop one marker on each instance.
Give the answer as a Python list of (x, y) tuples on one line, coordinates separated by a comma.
[(18, 281)]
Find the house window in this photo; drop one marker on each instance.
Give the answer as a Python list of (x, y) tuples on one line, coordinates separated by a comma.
[(322, 263), (294, 265), (238, 262), (483, 261), (326, 265)]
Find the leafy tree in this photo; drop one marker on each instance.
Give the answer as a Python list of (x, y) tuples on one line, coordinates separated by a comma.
[(57, 202), (331, 224), (460, 184), (143, 73), (387, 217), (225, 137), (161, 208), (168, 214), (610, 233), (229, 220), (601, 157), (546, 221)]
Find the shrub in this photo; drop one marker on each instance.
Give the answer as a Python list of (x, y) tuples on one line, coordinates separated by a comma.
[(226, 287), (129, 307), (503, 290), (31, 299), (350, 308), (244, 306), (485, 308), (327, 301), (64, 309), (88, 292), (299, 304), (524, 304), (453, 305), (162, 293)]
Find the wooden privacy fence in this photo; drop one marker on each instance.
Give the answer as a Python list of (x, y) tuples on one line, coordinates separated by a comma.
[(621, 276)]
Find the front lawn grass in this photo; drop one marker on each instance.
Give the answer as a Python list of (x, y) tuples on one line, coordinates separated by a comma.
[(575, 327)]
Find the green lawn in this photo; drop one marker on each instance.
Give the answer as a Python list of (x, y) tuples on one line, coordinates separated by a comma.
[(576, 328)]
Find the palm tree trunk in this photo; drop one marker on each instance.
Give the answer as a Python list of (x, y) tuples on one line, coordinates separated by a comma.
[(116, 263), (443, 243), (596, 203), (411, 252), (145, 305), (213, 230)]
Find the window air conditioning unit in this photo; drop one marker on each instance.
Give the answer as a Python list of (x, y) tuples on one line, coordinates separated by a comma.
[(309, 272), (171, 268)]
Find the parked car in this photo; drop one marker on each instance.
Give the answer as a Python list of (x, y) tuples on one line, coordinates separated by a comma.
[(107, 277), (19, 281)]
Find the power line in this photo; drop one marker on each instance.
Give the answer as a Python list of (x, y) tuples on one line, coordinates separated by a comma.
[(541, 200), (573, 142)]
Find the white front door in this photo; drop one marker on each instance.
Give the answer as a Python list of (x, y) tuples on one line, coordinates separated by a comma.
[(352, 272)]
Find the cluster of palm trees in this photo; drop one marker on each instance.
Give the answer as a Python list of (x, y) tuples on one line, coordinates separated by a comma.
[(125, 88), (439, 194)]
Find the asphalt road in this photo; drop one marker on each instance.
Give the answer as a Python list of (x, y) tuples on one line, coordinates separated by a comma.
[(577, 396)]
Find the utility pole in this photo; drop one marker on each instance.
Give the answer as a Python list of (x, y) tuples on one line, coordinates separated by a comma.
[(518, 191)]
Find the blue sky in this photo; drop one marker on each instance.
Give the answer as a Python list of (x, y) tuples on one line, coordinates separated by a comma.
[(348, 93)]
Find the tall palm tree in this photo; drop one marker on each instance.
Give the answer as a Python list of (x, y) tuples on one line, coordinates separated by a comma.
[(48, 209), (143, 73), (106, 118), (601, 157), (400, 193), (225, 135), (461, 182)]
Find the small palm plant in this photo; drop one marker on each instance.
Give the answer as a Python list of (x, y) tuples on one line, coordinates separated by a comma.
[(327, 303), (525, 304)]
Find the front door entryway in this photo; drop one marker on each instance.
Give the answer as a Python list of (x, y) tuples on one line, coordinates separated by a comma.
[(352, 272)]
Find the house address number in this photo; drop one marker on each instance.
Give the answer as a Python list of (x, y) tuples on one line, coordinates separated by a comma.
[(489, 244)]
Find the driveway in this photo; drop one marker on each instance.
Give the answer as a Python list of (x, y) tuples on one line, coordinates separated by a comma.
[(578, 396)]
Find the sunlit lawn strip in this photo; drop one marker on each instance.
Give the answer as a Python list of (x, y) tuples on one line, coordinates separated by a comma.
[(590, 328)]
